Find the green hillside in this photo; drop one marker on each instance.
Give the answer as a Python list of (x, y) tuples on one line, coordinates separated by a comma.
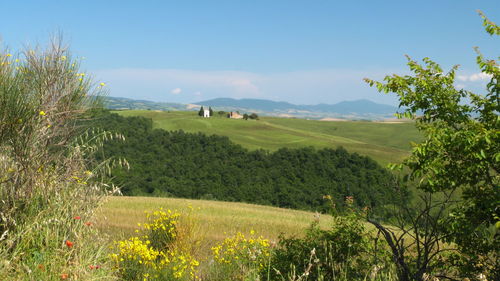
[(200, 166), (384, 142)]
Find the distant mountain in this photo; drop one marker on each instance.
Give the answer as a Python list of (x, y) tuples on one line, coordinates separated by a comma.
[(354, 110), (361, 107), (124, 103), (358, 106), (256, 104)]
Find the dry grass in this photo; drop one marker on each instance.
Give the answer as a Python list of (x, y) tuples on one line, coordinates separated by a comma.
[(119, 216)]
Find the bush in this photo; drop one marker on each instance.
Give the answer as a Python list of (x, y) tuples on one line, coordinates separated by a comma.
[(48, 184), (254, 116), (344, 252), (163, 252), (162, 228), (240, 257)]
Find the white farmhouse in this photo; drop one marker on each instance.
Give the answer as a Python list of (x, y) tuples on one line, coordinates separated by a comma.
[(206, 113)]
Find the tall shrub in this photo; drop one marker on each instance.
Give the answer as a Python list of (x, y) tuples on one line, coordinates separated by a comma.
[(48, 188)]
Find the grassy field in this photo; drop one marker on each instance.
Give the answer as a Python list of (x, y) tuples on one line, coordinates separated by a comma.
[(384, 142), (119, 217)]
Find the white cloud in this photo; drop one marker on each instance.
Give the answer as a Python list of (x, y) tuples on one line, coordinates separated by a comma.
[(176, 91), (245, 87), (480, 76), (474, 77)]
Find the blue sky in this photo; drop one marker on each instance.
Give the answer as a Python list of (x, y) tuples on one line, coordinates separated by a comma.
[(304, 52)]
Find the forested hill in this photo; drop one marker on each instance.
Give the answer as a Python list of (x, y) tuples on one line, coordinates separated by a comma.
[(190, 165)]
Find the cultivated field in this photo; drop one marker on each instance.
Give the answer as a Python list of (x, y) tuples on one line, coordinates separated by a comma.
[(384, 142)]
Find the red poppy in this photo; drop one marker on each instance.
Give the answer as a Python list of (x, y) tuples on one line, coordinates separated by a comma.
[(88, 223), (64, 276), (69, 243), (77, 217)]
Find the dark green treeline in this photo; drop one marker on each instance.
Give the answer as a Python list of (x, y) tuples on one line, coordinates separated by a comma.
[(188, 165)]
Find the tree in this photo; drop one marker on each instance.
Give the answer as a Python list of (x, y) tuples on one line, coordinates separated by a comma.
[(459, 155), (254, 116), (245, 116), (415, 238), (211, 111), (201, 112)]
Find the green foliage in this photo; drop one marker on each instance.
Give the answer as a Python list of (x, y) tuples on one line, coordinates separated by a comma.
[(201, 112), (460, 152), (254, 116), (489, 26), (200, 166), (345, 251)]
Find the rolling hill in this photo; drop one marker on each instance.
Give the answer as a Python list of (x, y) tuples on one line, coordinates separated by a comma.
[(384, 142)]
